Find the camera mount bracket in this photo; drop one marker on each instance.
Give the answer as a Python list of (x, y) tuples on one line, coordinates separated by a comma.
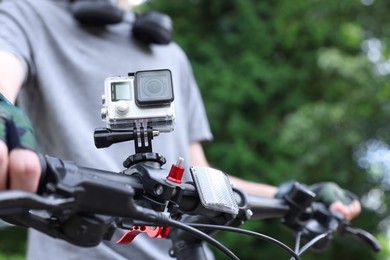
[(105, 137)]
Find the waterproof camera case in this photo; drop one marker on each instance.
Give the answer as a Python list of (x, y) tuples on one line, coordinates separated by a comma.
[(142, 99)]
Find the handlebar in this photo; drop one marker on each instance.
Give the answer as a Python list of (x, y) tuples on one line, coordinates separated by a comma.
[(308, 218), (84, 206)]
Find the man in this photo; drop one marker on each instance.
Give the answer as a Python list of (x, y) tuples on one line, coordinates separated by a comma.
[(56, 67)]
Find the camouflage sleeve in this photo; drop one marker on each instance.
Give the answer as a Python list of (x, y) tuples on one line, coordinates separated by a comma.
[(15, 128)]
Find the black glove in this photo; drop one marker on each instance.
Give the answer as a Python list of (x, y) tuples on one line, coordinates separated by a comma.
[(329, 192), (15, 128), (326, 192)]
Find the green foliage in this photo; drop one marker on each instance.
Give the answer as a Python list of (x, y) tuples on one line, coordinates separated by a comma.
[(290, 93), (12, 243), (385, 252)]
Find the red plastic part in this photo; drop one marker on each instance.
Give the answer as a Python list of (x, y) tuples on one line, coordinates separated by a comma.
[(153, 232), (175, 174)]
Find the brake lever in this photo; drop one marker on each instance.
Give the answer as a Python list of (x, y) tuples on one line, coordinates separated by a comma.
[(151, 231), (16, 202), (335, 223), (344, 228), (31, 210), (365, 236)]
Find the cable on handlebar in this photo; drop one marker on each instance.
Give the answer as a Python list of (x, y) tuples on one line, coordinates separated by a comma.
[(250, 233), (312, 242), (205, 237), (73, 195)]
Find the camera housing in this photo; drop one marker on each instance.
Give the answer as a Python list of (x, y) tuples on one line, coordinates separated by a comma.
[(142, 99)]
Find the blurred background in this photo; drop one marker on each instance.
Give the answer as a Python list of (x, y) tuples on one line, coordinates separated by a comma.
[(293, 90)]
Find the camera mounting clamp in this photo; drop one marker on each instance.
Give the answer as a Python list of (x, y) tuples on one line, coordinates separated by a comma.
[(105, 137), (142, 136)]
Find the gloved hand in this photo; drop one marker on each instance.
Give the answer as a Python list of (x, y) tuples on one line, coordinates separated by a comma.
[(19, 164), (15, 128), (337, 199), (329, 192), (332, 195)]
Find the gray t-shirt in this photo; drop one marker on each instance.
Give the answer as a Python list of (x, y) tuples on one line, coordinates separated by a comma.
[(66, 65)]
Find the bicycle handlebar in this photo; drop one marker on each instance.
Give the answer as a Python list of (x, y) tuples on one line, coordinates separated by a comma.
[(312, 219), (84, 206)]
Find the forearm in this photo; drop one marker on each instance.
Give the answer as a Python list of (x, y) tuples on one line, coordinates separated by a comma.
[(258, 189), (12, 73), (198, 158)]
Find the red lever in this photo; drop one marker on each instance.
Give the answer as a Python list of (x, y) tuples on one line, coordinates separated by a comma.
[(153, 232)]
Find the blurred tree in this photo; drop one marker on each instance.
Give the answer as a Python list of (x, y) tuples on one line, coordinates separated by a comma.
[(291, 92)]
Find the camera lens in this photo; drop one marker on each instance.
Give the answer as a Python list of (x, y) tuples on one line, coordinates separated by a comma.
[(153, 87)]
